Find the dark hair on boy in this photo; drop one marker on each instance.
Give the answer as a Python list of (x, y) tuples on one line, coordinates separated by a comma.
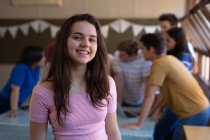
[(130, 46), (31, 54), (155, 41), (171, 18)]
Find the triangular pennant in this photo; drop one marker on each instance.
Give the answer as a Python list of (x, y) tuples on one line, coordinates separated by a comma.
[(136, 29), (13, 30), (53, 30), (35, 25), (2, 31), (43, 25), (124, 25), (115, 26), (105, 31), (150, 29), (24, 28)]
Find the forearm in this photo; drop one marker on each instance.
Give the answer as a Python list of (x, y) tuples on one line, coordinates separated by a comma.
[(14, 100), (114, 136), (159, 102), (38, 131), (146, 107), (119, 86), (112, 128)]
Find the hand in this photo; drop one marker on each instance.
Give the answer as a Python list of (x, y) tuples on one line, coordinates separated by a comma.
[(13, 113), (131, 126)]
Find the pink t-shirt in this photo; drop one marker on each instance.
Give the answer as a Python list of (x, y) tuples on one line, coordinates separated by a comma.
[(85, 122)]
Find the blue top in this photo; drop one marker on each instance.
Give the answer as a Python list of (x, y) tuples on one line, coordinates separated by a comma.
[(23, 76), (187, 61)]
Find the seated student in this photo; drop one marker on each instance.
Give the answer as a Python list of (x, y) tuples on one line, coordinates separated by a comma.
[(182, 94), (130, 71), (23, 78)]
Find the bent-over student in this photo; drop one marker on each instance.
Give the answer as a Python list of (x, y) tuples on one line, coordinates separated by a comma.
[(180, 90)]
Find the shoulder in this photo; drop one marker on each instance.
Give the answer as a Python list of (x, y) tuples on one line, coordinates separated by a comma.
[(47, 85), (21, 66), (43, 89), (111, 83), (111, 80)]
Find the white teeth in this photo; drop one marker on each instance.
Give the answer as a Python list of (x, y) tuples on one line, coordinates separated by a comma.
[(82, 52)]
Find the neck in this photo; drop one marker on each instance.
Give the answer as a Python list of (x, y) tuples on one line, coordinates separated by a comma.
[(78, 74), (155, 56)]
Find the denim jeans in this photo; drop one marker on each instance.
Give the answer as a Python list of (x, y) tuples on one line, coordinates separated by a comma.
[(170, 126), (165, 125), (4, 105)]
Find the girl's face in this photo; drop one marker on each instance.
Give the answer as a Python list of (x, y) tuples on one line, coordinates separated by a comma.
[(82, 42), (170, 42)]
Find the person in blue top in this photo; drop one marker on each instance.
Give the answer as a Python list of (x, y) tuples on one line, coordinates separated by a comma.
[(23, 78), (176, 44)]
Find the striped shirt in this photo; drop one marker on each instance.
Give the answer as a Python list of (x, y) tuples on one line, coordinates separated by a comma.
[(85, 122), (134, 73)]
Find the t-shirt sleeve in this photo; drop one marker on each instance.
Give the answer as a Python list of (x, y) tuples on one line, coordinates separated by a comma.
[(38, 109), (146, 69), (18, 75), (112, 106), (157, 75)]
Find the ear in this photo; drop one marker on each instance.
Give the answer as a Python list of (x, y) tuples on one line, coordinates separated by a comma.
[(152, 50)]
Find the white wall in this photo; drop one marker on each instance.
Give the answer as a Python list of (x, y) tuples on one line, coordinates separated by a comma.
[(100, 8)]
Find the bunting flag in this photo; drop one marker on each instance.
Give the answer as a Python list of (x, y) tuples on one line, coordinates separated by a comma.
[(24, 28), (105, 31), (43, 25), (136, 29), (124, 25), (120, 26), (2, 31), (115, 26), (53, 30), (39, 26), (13, 31), (35, 25), (150, 29)]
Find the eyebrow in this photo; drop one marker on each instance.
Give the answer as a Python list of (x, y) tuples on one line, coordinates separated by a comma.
[(78, 33)]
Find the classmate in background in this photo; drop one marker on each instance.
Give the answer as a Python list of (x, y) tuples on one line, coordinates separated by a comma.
[(176, 44), (182, 94), (168, 21), (130, 70), (23, 78), (78, 97)]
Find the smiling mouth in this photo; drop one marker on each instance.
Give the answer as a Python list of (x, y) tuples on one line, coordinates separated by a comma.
[(82, 52)]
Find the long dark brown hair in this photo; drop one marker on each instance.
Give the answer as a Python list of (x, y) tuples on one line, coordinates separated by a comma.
[(60, 69), (178, 35)]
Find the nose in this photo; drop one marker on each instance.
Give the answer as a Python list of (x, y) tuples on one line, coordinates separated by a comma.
[(85, 42)]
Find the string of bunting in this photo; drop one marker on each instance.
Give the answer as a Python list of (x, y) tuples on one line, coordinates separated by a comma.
[(39, 26)]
